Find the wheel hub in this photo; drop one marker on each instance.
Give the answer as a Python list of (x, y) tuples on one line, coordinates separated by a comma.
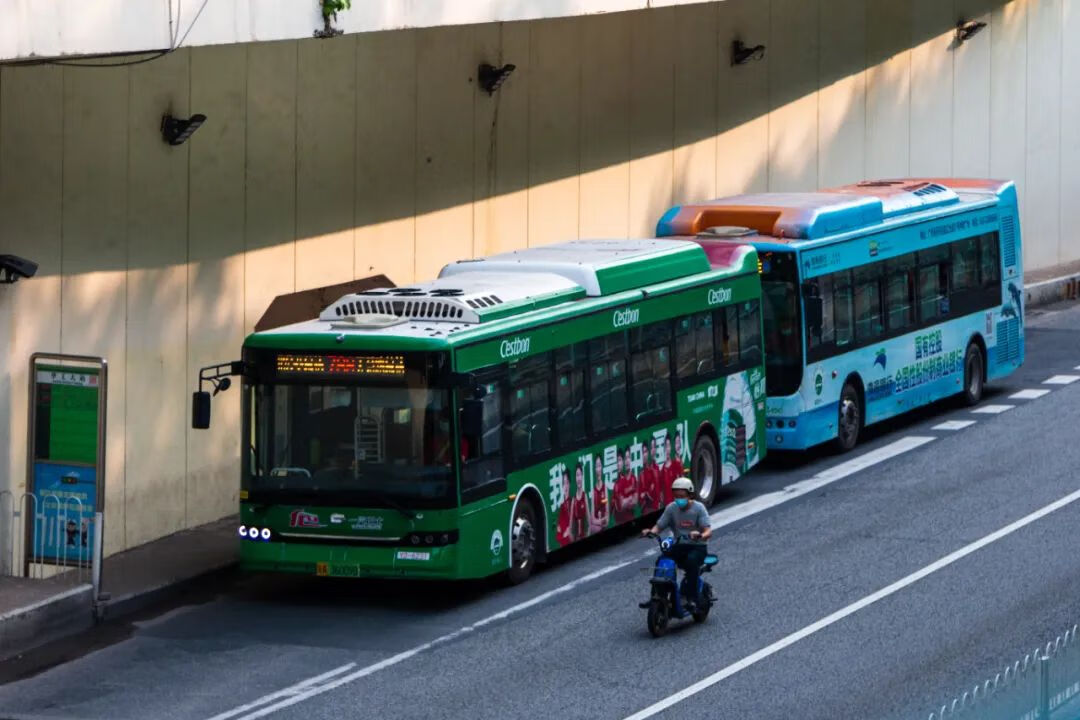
[(522, 542)]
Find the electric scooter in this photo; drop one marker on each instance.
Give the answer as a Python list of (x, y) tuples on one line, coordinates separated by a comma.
[(666, 600)]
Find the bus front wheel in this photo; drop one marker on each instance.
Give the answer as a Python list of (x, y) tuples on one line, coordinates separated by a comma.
[(849, 419), (522, 543), (974, 379), (705, 469)]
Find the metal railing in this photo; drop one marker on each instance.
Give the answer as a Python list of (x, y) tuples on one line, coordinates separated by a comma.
[(50, 535), (1030, 689)]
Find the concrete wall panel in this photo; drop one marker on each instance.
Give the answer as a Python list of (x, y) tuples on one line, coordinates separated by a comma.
[(888, 88), (605, 126), (1043, 218), (94, 265), (1068, 247), (696, 87), (325, 161), (932, 87), (270, 200), (742, 133), (501, 143), (156, 328), (215, 280), (554, 131), (842, 98), (652, 119), (793, 98), (444, 161), (971, 94), (386, 155), (1008, 100), (31, 166)]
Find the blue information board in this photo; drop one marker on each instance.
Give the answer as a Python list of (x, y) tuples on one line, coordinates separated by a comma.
[(66, 496)]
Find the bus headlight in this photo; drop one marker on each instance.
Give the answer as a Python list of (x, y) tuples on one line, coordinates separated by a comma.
[(265, 534), (253, 533), (243, 531)]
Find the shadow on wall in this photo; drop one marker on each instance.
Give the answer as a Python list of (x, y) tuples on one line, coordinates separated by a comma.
[(317, 138)]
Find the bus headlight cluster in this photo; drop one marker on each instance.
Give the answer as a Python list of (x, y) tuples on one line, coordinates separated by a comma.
[(254, 533)]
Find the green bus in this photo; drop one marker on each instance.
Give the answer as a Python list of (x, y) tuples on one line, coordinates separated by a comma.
[(519, 403)]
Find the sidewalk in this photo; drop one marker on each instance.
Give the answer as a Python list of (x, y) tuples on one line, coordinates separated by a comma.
[(1050, 285), (36, 612)]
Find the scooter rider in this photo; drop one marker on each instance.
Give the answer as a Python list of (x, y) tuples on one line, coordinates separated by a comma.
[(688, 520)]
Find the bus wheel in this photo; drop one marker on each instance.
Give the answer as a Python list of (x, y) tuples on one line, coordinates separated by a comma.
[(522, 543), (704, 468), (973, 375), (849, 419)]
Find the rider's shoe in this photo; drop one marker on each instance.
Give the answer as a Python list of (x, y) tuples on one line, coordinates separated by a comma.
[(645, 604)]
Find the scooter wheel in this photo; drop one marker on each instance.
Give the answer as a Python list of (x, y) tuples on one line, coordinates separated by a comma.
[(658, 618), (702, 614)]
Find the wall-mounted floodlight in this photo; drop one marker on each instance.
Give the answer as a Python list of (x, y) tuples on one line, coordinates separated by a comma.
[(13, 267), (967, 30), (741, 54), (176, 131), (491, 78)]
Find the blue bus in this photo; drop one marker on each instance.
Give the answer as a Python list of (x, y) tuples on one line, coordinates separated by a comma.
[(878, 297)]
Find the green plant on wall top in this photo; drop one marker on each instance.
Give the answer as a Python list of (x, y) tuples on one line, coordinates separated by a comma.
[(330, 9)]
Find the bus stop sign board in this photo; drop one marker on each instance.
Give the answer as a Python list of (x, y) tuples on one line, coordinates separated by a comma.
[(67, 424)]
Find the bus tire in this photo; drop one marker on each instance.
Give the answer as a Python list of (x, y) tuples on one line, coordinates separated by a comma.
[(974, 375), (849, 419), (524, 535), (705, 469)]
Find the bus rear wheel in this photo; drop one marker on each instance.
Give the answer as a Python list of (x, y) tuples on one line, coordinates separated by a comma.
[(704, 469), (974, 379), (849, 419), (523, 536)]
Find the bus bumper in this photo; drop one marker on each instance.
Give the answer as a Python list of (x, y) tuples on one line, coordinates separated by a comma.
[(356, 562), (799, 431)]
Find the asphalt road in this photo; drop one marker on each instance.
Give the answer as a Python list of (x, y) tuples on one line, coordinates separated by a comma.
[(801, 629)]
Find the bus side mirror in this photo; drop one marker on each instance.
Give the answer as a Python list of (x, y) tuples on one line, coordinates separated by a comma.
[(815, 313), (472, 418), (200, 410)]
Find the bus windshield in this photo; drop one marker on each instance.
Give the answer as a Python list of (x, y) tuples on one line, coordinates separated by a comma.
[(368, 446), (783, 345)]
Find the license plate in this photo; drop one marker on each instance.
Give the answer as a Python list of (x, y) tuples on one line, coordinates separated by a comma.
[(322, 569)]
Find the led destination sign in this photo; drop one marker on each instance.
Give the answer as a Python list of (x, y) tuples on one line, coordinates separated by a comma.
[(386, 366)]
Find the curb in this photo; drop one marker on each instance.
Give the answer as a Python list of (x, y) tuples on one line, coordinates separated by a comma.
[(1047, 292), (131, 603), (73, 612), (60, 616)]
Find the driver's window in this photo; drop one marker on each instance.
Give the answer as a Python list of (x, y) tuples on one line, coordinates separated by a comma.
[(483, 472)]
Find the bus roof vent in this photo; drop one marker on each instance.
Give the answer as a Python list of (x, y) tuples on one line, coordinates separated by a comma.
[(726, 231), (467, 298), (905, 198), (601, 267)]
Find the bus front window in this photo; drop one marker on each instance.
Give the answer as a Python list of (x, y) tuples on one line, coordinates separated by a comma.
[(371, 446), (783, 344)]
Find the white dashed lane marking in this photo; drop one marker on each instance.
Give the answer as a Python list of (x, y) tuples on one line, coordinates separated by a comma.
[(1028, 394), (993, 409), (1062, 380), (954, 425)]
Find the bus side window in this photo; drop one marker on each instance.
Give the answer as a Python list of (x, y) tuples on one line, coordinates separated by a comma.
[(990, 261), (607, 383), (650, 368), (868, 320), (900, 291), (570, 366), (726, 328), (844, 308), (933, 283), (530, 406), (694, 353), (965, 265), (750, 333)]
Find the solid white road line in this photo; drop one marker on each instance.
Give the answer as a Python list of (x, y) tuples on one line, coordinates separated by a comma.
[(1028, 394), (317, 686), (954, 425), (993, 409), (853, 608), (284, 692), (1061, 380)]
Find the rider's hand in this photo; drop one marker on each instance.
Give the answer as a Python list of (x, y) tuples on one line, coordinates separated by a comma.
[(695, 535), (645, 532)]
